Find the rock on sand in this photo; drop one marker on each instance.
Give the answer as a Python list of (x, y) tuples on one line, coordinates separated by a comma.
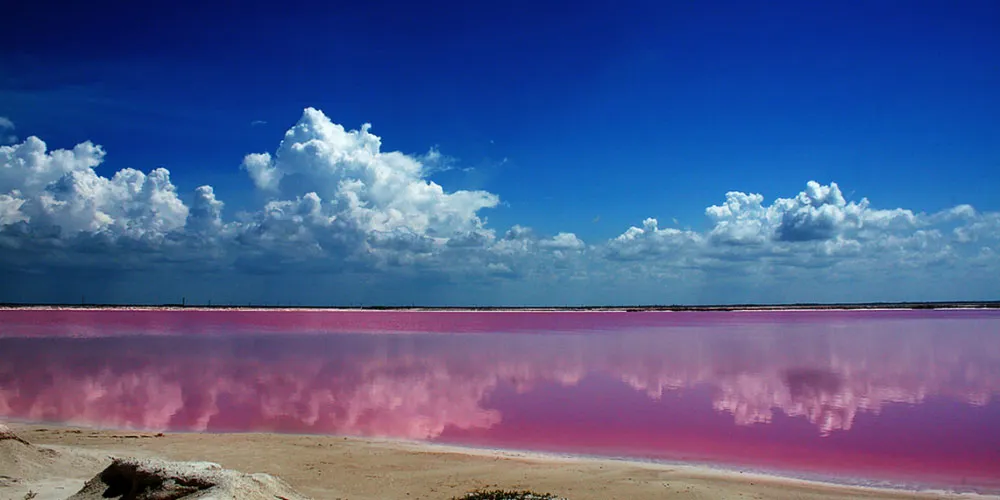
[(149, 479), (28, 471)]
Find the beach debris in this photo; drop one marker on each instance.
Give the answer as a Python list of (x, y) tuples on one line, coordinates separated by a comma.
[(507, 495)]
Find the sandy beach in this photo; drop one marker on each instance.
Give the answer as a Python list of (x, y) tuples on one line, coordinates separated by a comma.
[(328, 467)]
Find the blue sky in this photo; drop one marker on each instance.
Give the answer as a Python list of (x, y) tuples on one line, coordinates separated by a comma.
[(585, 121)]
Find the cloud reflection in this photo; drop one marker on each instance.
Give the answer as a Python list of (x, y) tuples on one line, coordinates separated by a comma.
[(416, 387)]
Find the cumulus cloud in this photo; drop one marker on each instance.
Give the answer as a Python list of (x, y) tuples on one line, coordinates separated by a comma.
[(263, 173), (336, 201), (10, 208), (818, 213), (61, 189), (368, 189), (816, 246), (649, 241), (563, 241), (205, 215)]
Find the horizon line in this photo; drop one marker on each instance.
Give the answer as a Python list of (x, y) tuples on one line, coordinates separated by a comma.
[(984, 304)]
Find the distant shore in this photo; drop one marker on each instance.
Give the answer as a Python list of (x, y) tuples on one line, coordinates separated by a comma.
[(359, 468), (638, 308)]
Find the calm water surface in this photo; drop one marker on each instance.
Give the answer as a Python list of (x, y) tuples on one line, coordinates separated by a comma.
[(898, 396)]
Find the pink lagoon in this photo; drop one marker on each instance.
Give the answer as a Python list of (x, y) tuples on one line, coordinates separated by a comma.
[(903, 398)]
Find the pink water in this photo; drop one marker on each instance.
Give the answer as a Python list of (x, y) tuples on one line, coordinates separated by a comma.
[(906, 397)]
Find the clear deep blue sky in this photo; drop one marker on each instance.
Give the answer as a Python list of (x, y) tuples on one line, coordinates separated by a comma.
[(583, 117), (612, 110)]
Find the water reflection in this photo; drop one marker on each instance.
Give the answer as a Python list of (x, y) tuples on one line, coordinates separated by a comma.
[(498, 389)]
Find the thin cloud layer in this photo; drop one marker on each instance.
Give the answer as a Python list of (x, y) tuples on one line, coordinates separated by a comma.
[(6, 129), (336, 204)]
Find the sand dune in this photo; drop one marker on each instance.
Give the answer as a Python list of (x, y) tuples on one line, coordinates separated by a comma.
[(48, 472)]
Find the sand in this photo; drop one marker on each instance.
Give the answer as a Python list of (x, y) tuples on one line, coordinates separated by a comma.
[(328, 467)]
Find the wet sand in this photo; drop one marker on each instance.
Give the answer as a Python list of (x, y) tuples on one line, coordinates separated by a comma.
[(329, 467)]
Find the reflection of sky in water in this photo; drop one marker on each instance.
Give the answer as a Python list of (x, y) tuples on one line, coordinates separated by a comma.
[(887, 395)]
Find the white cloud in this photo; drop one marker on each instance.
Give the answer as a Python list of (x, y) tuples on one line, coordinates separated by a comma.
[(335, 202), (371, 190), (131, 203), (5, 125), (205, 215), (10, 208), (563, 241), (651, 242), (289, 228), (263, 173), (434, 162), (820, 212), (61, 189), (742, 219), (30, 168), (817, 245)]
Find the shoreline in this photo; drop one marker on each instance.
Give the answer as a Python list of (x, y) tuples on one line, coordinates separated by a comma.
[(397, 463), (703, 469), (979, 306)]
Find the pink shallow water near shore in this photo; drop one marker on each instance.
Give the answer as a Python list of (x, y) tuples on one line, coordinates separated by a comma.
[(103, 322), (900, 396)]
